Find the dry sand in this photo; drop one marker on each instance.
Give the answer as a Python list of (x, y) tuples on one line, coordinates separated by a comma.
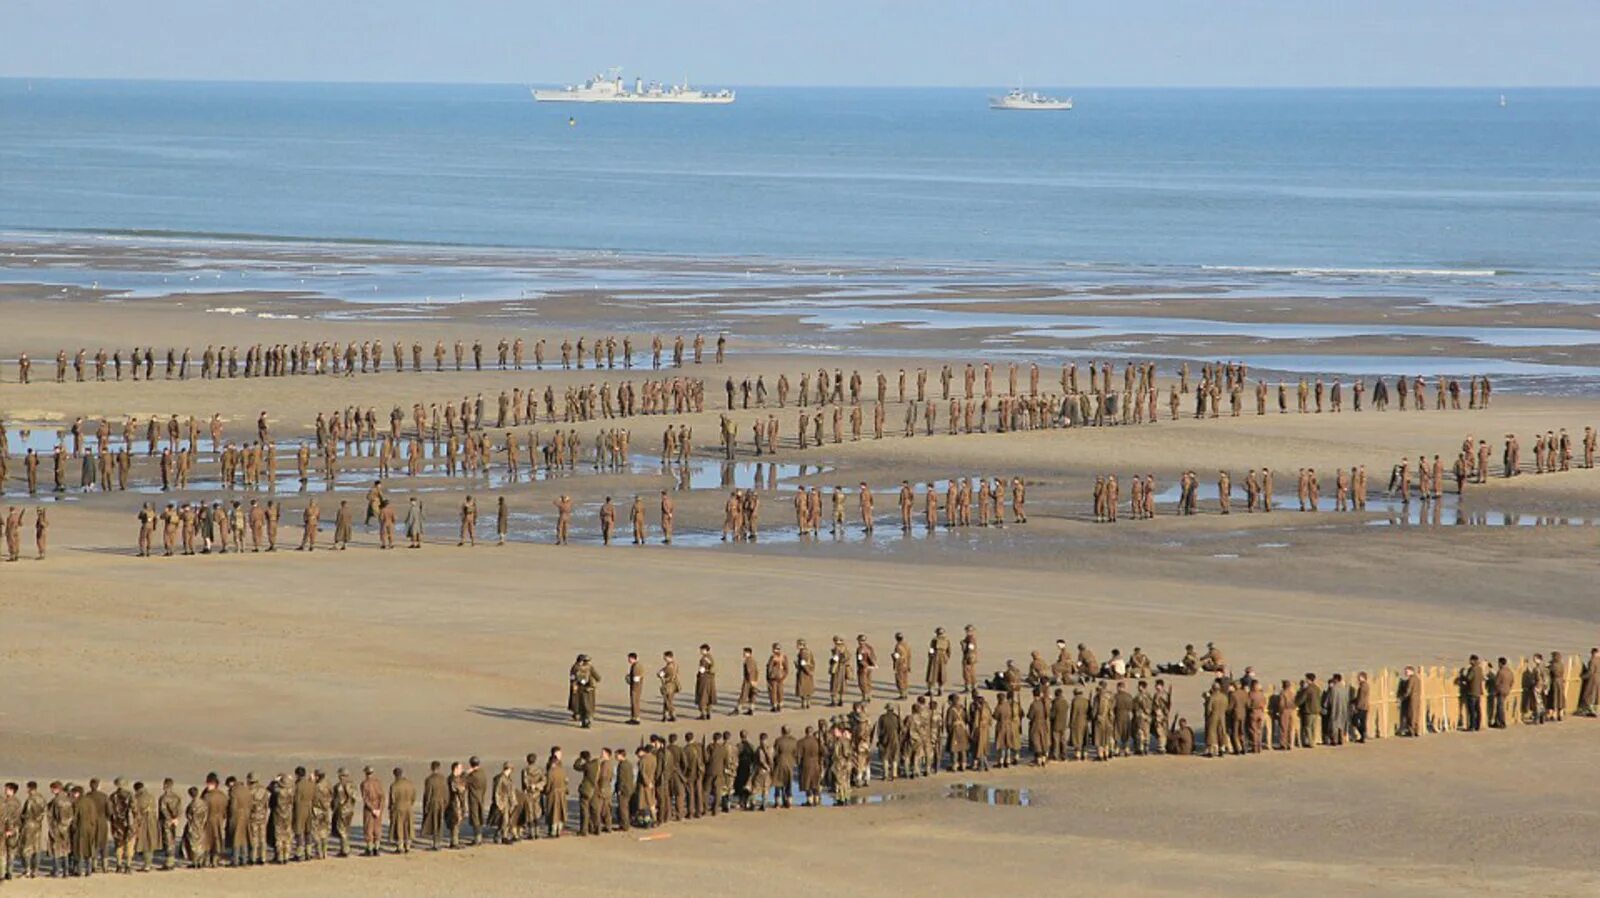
[(116, 665)]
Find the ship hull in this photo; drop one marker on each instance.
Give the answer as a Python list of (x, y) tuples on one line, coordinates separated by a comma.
[(560, 96), (1032, 107)]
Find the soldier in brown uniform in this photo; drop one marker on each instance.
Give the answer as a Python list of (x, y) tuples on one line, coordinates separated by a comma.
[(311, 521), (667, 513), (705, 683), (435, 802), (563, 506), (900, 658), (635, 681), (866, 662), (777, 674), (969, 659), (668, 677), (469, 522), (636, 517), (402, 798), (805, 678), (938, 661), (608, 520), (838, 672), (749, 682)]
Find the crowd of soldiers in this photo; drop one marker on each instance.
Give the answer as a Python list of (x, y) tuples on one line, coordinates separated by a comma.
[(348, 358), (965, 500), (971, 409), (193, 528), (451, 435), (73, 830)]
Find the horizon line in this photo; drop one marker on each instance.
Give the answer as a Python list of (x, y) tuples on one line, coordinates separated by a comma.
[(354, 82)]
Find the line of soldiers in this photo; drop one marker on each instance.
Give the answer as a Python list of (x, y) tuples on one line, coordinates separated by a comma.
[(299, 817), (193, 528), (860, 662), (1350, 492), (348, 358), (255, 464)]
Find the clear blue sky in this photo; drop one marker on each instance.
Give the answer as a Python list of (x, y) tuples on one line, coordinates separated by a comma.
[(813, 42)]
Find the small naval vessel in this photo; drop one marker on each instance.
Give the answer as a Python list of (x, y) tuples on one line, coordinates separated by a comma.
[(609, 88), (1029, 100)]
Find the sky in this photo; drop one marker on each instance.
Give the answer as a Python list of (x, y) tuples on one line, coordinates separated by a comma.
[(1181, 43)]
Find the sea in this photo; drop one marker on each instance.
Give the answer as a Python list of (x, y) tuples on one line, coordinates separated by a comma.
[(1343, 182)]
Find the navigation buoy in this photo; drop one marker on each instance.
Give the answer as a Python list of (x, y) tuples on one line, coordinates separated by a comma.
[(572, 122)]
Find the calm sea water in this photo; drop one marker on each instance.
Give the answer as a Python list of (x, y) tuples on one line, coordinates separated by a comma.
[(1427, 180)]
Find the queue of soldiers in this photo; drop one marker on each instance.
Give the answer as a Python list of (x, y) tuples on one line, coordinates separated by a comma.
[(193, 528), (304, 816), (348, 358), (254, 465), (965, 500), (357, 431)]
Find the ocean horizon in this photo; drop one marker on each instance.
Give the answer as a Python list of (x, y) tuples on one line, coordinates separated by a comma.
[(1346, 180)]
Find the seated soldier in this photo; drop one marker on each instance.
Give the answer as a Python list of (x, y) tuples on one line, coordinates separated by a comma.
[(1139, 663), (1116, 667), (1180, 741), (1188, 667)]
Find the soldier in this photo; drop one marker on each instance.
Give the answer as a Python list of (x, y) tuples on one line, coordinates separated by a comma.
[(554, 793), (435, 802), (938, 660), (10, 829), (30, 830), (668, 677), (705, 683), (900, 659), (146, 825), (866, 662), (506, 810), (194, 830), (838, 672), (414, 526), (321, 823), (341, 526), (636, 517), (346, 798), (311, 521), (171, 811), (238, 821), (748, 683), (563, 505), (805, 679), (402, 797), (469, 522), (372, 806), (969, 659), (585, 683), (667, 509), (608, 520), (777, 674)]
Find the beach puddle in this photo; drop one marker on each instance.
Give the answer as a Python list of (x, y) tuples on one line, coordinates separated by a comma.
[(991, 795), (830, 801)]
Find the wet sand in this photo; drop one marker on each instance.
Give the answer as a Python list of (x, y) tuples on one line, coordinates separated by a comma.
[(117, 665)]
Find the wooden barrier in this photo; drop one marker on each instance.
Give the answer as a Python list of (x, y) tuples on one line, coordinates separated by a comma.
[(1444, 701)]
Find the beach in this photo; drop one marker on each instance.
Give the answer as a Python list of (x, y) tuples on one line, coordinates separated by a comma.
[(148, 667)]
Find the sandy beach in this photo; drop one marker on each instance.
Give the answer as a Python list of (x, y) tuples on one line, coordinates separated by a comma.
[(145, 667)]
